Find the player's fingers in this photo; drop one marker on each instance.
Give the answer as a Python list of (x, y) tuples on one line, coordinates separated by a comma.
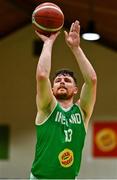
[(71, 28), (76, 26), (40, 35), (66, 34), (77, 22)]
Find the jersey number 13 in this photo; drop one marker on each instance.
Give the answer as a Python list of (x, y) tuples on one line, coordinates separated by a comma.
[(68, 135)]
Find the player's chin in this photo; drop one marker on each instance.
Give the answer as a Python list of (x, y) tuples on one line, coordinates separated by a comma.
[(62, 92), (61, 95)]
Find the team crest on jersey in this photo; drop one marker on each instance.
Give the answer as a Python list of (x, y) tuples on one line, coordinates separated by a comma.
[(66, 158)]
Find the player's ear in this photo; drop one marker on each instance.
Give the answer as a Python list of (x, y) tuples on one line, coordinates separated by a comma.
[(75, 90), (52, 89)]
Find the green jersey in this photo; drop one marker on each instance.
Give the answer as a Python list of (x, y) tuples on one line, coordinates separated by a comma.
[(60, 140)]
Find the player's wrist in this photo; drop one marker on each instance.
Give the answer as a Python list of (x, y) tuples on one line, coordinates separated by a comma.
[(48, 43), (75, 48)]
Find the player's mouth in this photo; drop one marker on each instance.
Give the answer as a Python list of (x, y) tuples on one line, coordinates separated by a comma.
[(62, 87)]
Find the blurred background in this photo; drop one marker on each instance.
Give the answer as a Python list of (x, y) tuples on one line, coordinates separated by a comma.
[(19, 52)]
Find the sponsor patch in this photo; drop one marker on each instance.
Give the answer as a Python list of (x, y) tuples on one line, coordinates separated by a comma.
[(66, 158)]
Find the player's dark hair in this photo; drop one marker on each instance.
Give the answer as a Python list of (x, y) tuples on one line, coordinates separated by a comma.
[(65, 72)]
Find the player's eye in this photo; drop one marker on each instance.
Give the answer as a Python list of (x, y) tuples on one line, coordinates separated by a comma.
[(57, 80), (67, 80)]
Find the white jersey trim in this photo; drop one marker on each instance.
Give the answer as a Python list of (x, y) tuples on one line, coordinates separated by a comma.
[(47, 116), (67, 109), (82, 117)]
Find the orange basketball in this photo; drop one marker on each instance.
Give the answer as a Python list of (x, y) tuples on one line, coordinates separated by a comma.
[(47, 18)]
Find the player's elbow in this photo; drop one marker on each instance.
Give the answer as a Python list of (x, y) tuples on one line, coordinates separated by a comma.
[(41, 75), (94, 79)]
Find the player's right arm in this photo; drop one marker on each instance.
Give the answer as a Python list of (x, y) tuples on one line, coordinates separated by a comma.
[(45, 99)]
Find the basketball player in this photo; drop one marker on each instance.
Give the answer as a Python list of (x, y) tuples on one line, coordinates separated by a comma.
[(61, 125)]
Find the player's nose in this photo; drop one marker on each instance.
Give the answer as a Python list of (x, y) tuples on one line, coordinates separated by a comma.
[(62, 81)]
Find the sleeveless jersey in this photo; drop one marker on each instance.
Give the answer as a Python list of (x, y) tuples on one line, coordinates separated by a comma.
[(60, 140)]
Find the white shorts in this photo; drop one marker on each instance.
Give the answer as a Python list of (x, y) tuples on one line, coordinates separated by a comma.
[(32, 177)]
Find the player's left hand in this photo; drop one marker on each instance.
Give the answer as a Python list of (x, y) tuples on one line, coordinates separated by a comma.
[(73, 37)]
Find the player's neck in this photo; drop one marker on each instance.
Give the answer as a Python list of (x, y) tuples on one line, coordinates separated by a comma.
[(66, 103)]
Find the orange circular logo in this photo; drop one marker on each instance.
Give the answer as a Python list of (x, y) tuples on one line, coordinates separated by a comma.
[(66, 158), (106, 139)]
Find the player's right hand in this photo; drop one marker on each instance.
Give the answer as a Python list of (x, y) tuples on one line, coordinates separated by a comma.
[(51, 38)]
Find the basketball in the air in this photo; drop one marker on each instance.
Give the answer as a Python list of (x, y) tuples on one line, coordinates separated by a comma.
[(47, 18)]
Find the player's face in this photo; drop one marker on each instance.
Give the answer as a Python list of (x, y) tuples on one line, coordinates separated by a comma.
[(64, 87)]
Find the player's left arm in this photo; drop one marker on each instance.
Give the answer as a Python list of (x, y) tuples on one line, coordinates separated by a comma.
[(88, 92), (87, 99)]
